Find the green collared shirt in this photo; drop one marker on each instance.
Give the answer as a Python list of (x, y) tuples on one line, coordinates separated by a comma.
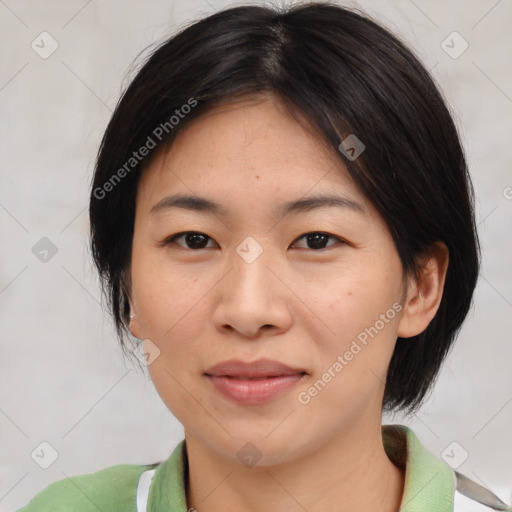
[(430, 484)]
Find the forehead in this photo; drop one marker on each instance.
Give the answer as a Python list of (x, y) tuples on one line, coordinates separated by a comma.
[(251, 149)]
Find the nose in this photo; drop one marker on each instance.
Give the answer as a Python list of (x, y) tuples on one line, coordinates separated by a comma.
[(253, 298)]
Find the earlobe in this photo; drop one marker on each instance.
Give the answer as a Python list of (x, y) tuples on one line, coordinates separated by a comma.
[(134, 323), (425, 292)]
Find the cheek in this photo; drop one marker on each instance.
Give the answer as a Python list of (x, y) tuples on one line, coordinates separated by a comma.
[(352, 364), (175, 387), (361, 311), (164, 295), (172, 316), (354, 301)]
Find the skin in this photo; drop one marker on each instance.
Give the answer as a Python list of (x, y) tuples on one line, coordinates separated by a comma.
[(296, 304)]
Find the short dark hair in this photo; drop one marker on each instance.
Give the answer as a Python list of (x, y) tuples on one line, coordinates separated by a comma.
[(345, 75)]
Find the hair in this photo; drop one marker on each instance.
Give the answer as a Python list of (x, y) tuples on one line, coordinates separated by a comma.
[(343, 74)]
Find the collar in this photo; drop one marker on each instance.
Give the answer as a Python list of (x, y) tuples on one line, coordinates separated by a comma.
[(429, 482)]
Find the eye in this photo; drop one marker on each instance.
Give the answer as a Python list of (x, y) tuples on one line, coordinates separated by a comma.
[(193, 240), (317, 239), (196, 240)]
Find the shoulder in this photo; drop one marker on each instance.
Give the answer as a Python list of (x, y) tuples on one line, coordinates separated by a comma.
[(112, 488), (430, 482)]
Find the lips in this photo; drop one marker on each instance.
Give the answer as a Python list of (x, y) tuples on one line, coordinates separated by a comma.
[(260, 369), (253, 383)]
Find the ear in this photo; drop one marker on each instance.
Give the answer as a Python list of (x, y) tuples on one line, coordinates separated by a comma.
[(126, 287), (424, 292), (134, 322)]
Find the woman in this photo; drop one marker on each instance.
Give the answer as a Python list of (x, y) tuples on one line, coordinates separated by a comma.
[(281, 213)]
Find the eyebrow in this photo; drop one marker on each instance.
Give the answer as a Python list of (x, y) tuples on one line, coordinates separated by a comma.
[(201, 204)]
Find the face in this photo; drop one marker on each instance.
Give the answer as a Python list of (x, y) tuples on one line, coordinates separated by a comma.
[(316, 288)]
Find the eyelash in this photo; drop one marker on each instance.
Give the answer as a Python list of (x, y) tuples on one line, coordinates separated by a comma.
[(171, 240)]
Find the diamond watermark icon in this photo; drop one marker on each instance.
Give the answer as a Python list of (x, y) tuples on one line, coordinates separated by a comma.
[(454, 455), (44, 455), (248, 455), (44, 45), (454, 45), (44, 250), (351, 147), (249, 250), (149, 352)]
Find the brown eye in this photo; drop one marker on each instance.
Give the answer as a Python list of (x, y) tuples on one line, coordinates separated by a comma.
[(193, 240), (316, 240)]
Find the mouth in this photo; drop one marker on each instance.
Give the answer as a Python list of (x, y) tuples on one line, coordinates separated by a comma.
[(239, 377), (261, 368), (253, 383)]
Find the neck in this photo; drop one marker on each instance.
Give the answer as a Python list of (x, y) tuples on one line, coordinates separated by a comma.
[(351, 472)]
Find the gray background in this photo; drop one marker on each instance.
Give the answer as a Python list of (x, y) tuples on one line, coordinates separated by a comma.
[(63, 378)]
